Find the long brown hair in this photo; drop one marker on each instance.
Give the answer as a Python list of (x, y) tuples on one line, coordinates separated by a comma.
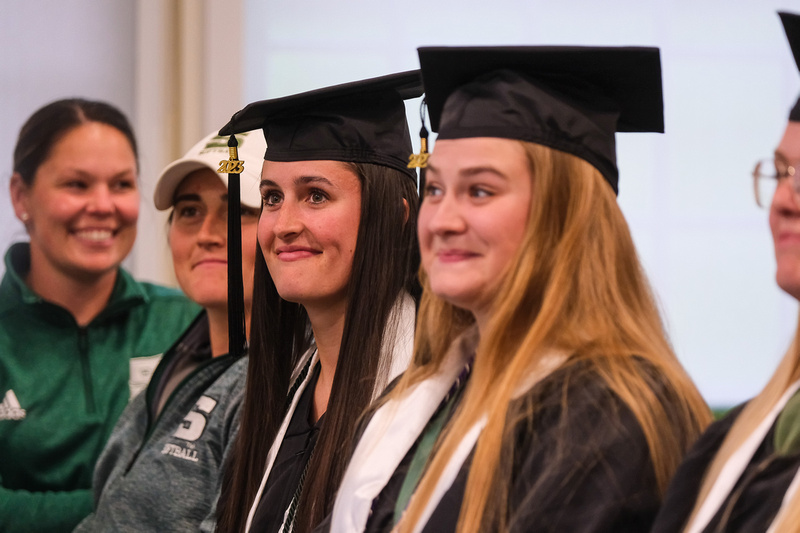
[(752, 415), (575, 285), (385, 263)]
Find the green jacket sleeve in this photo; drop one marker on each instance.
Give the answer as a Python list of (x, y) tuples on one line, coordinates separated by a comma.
[(42, 512)]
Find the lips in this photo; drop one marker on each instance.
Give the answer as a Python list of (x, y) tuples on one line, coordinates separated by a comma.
[(210, 262), (455, 255), (295, 253), (97, 235), (788, 238)]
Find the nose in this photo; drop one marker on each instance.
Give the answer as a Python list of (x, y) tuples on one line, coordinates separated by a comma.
[(101, 201), (214, 230), (445, 215), (786, 199), (287, 221)]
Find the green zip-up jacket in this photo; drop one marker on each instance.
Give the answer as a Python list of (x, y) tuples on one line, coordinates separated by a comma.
[(63, 387)]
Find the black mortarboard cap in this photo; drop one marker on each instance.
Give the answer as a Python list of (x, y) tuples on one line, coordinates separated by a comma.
[(791, 25), (570, 98), (362, 121)]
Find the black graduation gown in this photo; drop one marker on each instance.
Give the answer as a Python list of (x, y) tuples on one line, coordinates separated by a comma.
[(293, 456), (755, 499), (585, 468)]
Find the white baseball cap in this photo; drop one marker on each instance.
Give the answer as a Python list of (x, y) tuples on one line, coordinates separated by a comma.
[(208, 153)]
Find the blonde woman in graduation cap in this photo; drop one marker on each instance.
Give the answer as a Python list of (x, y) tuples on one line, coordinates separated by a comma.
[(333, 305), (543, 394), (743, 475)]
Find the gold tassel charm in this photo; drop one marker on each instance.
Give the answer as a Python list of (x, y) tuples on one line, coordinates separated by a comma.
[(232, 165), (420, 160)]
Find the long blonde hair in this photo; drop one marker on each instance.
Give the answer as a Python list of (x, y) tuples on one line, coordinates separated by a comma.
[(575, 284), (752, 415)]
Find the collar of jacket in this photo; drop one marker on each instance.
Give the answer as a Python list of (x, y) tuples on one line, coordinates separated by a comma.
[(15, 293)]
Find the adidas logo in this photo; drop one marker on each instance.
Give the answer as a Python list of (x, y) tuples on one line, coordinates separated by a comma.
[(10, 409)]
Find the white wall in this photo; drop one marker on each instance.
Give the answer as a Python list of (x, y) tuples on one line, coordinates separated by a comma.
[(729, 81)]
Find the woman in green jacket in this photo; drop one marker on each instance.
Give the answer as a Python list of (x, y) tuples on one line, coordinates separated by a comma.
[(78, 335)]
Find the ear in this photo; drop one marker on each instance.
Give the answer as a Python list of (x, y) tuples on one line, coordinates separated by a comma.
[(19, 197), (405, 206)]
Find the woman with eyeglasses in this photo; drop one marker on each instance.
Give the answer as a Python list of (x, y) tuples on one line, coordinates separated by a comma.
[(743, 474)]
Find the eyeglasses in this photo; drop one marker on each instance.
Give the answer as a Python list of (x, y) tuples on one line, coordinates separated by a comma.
[(767, 174)]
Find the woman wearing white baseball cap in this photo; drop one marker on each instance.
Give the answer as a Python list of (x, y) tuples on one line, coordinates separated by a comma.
[(160, 469)]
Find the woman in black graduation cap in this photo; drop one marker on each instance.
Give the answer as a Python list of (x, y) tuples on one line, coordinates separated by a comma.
[(333, 311), (543, 394), (743, 475)]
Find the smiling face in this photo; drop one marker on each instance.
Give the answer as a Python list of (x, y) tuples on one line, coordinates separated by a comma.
[(309, 228), (784, 216), (473, 217), (83, 204), (198, 238)]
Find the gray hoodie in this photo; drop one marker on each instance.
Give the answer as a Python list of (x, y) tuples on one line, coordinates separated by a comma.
[(163, 472)]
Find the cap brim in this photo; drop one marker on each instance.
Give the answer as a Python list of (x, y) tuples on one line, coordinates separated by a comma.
[(174, 174), (170, 179)]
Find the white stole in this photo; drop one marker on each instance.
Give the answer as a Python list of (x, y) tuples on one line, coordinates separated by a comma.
[(387, 438), (544, 367), (738, 461), (399, 349), (395, 427)]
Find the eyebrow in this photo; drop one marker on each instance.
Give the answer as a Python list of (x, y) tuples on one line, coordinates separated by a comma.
[(472, 171), (125, 174), (121, 174), (302, 180), (186, 198), (305, 180)]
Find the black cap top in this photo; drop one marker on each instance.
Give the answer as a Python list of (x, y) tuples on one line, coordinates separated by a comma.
[(570, 98), (362, 122), (791, 25)]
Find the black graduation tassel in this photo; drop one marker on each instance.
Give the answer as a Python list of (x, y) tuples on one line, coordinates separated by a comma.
[(237, 337), (420, 160)]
